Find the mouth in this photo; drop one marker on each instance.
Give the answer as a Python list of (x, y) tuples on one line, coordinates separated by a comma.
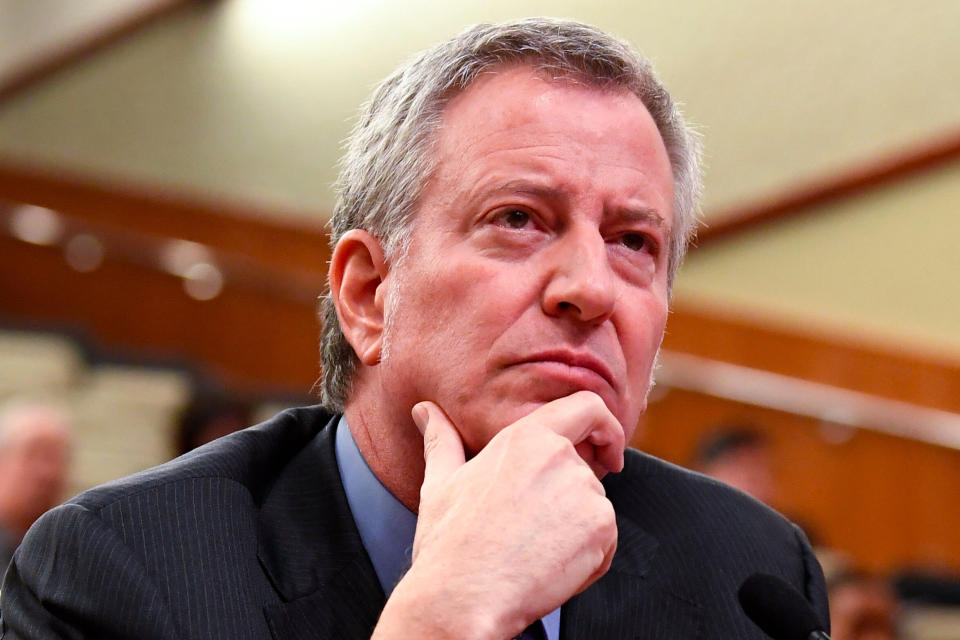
[(574, 364)]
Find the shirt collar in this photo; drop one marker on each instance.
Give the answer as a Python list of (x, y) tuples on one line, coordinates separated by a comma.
[(386, 526)]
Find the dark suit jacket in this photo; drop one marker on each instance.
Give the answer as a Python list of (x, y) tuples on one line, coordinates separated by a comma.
[(251, 537)]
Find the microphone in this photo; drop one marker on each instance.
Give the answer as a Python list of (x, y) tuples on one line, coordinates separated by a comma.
[(779, 609)]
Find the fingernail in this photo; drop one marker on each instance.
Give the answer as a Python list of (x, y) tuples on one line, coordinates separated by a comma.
[(420, 416)]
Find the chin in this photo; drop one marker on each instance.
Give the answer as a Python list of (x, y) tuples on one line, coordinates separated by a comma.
[(478, 427)]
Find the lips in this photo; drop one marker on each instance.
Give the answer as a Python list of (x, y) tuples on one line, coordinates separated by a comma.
[(572, 359)]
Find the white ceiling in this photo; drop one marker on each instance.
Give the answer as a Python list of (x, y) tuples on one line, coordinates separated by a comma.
[(31, 29), (250, 99)]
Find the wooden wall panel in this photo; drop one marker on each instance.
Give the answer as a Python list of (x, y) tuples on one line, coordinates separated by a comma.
[(250, 340), (260, 333), (888, 502)]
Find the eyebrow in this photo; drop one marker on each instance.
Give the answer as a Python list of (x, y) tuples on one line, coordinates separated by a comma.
[(527, 187), (642, 214)]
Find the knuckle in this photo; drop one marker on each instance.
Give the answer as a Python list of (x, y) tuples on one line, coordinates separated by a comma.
[(598, 486), (597, 558), (608, 514), (590, 401), (555, 446), (604, 519), (586, 479), (596, 402), (513, 442)]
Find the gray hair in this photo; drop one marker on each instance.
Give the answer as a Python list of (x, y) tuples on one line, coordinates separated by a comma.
[(389, 158)]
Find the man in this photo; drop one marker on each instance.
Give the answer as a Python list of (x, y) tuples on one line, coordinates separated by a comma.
[(864, 607), (739, 455), (513, 206), (34, 461)]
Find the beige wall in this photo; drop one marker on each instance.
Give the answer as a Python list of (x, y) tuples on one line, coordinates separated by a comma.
[(882, 267)]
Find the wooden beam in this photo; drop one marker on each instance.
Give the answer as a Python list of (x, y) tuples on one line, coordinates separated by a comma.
[(294, 239), (900, 371), (822, 402), (854, 180)]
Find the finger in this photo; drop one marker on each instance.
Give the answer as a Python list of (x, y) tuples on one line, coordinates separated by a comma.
[(584, 417), (588, 453), (442, 446)]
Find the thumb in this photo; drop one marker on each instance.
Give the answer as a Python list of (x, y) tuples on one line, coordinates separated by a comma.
[(442, 447)]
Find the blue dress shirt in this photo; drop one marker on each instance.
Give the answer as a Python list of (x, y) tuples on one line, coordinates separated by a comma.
[(386, 526)]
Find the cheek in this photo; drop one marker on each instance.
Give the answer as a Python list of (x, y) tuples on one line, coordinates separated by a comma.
[(641, 343), (462, 297), (430, 326), (643, 336)]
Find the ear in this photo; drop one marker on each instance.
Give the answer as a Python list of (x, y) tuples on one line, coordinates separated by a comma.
[(357, 271)]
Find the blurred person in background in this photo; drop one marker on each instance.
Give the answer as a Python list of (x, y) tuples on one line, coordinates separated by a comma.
[(862, 607), (739, 455), (208, 415), (34, 463)]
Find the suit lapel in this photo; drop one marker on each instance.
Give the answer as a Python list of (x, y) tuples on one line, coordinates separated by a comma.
[(346, 606), (630, 601), (311, 551)]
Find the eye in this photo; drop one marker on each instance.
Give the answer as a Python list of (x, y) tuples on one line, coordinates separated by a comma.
[(636, 241), (514, 218)]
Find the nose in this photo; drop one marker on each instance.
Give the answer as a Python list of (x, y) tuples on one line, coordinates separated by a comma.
[(581, 283)]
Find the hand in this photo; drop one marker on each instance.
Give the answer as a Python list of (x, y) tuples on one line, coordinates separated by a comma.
[(512, 534)]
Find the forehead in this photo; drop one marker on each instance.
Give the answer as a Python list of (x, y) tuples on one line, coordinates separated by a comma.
[(517, 120), (525, 90)]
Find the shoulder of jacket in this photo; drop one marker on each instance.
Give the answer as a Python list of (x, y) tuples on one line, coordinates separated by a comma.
[(248, 457)]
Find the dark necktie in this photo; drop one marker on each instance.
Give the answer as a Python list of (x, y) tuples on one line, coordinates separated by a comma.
[(534, 632)]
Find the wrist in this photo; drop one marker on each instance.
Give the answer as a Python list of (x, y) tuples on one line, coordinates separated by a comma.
[(429, 610)]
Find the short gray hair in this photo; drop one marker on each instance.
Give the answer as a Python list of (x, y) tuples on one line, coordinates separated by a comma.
[(389, 158)]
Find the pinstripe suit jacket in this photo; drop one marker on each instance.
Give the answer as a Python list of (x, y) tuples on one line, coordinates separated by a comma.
[(251, 538)]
